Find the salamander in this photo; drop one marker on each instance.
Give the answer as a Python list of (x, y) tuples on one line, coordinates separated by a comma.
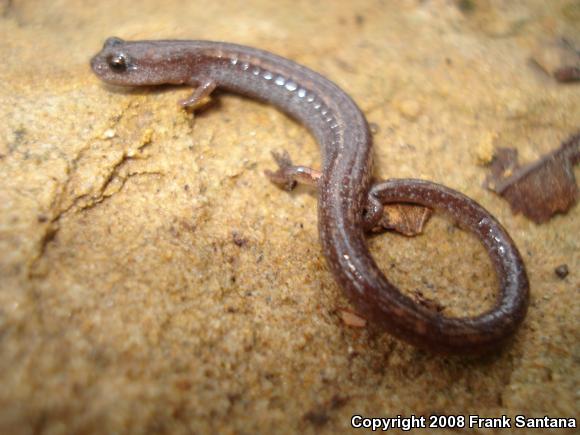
[(349, 201)]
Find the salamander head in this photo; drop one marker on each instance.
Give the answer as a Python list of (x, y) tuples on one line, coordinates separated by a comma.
[(137, 63)]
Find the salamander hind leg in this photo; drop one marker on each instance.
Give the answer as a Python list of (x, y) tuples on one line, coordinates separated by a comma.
[(288, 175), (406, 219)]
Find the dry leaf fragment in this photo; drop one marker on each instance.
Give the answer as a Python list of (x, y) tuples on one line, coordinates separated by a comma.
[(406, 219), (567, 74), (558, 58), (540, 189)]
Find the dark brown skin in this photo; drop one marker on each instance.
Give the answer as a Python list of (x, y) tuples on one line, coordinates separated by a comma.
[(348, 203)]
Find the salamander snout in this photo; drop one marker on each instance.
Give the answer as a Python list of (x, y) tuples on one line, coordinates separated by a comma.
[(113, 41)]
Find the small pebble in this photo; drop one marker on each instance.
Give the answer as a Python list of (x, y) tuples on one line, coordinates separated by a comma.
[(352, 319), (562, 271), (410, 109), (108, 134), (485, 150)]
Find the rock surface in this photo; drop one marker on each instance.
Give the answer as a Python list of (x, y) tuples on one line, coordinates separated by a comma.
[(153, 281)]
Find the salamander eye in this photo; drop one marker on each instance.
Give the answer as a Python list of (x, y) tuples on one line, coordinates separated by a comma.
[(118, 62)]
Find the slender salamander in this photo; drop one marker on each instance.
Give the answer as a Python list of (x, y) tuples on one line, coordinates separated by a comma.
[(349, 203)]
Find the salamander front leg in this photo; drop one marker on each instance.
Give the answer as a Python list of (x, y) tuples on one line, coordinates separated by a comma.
[(204, 89), (288, 175)]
